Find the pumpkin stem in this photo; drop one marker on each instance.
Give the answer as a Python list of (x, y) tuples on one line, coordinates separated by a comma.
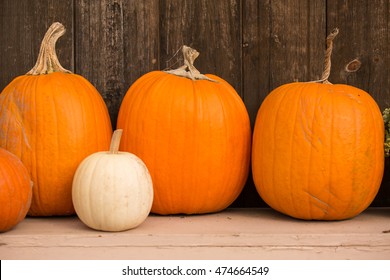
[(115, 141), (47, 61), (328, 53), (188, 70)]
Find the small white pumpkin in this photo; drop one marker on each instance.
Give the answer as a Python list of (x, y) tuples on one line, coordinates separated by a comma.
[(112, 191)]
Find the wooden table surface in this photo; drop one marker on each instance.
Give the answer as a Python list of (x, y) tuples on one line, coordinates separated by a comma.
[(236, 233)]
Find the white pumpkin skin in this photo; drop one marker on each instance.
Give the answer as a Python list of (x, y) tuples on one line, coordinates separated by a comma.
[(112, 191)]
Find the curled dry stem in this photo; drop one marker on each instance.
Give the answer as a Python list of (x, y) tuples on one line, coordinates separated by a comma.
[(328, 54), (188, 70), (47, 61)]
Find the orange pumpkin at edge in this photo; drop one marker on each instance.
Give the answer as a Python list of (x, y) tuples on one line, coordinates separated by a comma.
[(317, 150), (52, 119), (15, 190)]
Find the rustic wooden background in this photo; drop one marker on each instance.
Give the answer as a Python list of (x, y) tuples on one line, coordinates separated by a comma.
[(255, 45)]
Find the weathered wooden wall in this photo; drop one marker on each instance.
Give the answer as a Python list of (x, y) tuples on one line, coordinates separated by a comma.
[(254, 45)]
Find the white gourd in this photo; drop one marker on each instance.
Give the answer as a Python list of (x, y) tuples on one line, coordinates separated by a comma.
[(112, 191)]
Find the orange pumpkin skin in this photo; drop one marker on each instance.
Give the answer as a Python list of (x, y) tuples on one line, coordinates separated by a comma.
[(15, 191), (52, 122), (194, 137), (317, 151)]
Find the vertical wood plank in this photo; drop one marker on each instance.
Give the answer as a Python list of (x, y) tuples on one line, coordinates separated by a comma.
[(141, 38), (283, 41), (100, 49), (297, 40), (256, 30), (23, 24), (361, 54), (116, 42), (211, 27)]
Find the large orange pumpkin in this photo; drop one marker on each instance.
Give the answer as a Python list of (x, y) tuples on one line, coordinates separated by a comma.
[(193, 133), (15, 190), (52, 119), (317, 150)]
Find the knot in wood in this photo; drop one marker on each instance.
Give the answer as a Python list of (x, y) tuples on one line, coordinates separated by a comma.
[(353, 65)]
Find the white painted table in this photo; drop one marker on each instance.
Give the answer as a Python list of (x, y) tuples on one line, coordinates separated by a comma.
[(231, 234)]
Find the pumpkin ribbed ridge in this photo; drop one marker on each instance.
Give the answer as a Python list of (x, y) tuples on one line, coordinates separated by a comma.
[(52, 122), (15, 191), (194, 137), (317, 150)]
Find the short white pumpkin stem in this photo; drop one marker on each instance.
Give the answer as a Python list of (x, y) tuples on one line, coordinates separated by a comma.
[(47, 61), (115, 141), (188, 70)]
